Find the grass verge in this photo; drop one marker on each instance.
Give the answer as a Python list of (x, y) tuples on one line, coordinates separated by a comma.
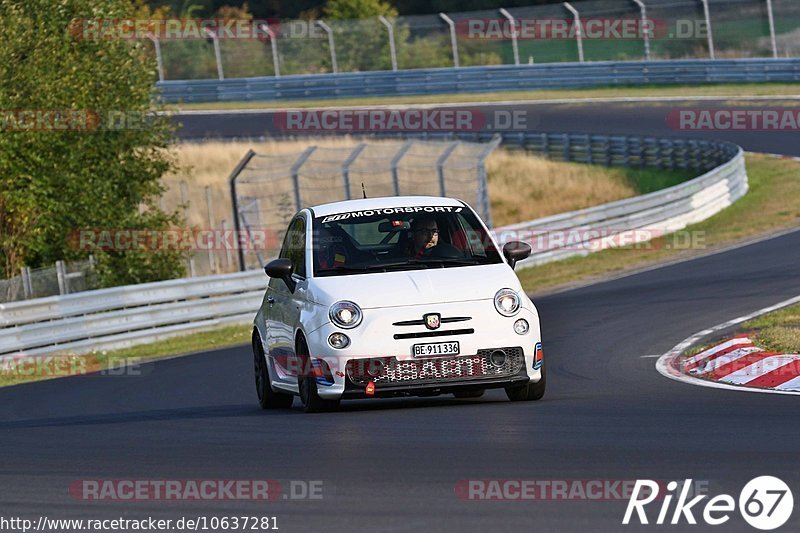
[(721, 90), (769, 206), (778, 331)]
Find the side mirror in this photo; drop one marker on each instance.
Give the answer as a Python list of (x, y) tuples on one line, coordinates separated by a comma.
[(516, 251), (281, 269)]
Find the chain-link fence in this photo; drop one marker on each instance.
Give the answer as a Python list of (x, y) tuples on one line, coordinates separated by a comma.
[(268, 189), (61, 278), (589, 30)]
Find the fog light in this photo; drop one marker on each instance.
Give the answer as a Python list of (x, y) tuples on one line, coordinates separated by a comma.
[(498, 358), (375, 368), (521, 326), (339, 340)]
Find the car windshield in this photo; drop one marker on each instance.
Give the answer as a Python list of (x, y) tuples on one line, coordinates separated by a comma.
[(403, 238)]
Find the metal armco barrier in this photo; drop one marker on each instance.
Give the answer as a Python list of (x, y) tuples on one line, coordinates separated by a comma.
[(481, 79), (123, 316)]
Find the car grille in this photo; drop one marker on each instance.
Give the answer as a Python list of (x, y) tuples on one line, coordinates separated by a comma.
[(390, 371)]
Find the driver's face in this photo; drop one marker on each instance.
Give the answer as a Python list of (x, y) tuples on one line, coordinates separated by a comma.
[(426, 236)]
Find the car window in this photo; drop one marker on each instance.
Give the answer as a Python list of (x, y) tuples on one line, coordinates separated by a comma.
[(380, 240), (294, 246)]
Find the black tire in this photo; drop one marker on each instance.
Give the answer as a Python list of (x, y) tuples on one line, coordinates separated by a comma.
[(477, 393), (530, 391), (267, 398), (312, 402)]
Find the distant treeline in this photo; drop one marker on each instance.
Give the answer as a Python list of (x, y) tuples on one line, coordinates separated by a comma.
[(297, 8)]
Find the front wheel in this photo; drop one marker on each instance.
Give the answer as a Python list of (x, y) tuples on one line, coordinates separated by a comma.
[(267, 398), (307, 383), (529, 391)]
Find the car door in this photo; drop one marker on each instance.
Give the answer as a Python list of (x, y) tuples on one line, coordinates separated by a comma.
[(285, 306)]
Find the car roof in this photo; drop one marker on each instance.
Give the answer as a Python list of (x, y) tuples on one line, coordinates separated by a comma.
[(382, 203)]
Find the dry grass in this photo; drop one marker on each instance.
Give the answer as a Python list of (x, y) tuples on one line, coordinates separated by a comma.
[(525, 187), (521, 186), (778, 331)]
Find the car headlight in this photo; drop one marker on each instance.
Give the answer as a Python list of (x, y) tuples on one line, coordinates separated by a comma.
[(345, 314), (506, 302)]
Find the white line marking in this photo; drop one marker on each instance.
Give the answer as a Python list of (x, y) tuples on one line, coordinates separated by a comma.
[(758, 369), (793, 385), (718, 348), (666, 363), (719, 362)]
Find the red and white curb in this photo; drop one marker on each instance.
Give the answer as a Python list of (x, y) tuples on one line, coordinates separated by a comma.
[(736, 364), (739, 362)]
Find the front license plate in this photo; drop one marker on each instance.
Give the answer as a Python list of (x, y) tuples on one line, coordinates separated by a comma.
[(436, 348)]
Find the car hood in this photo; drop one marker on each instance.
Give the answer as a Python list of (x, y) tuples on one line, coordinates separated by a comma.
[(415, 287)]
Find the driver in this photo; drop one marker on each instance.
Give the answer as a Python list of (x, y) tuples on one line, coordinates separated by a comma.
[(424, 235)]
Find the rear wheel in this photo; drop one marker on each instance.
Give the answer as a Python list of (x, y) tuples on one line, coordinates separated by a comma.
[(267, 398), (530, 391), (312, 402)]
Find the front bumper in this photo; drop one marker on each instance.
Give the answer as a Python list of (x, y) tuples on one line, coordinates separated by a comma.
[(382, 338), (356, 388)]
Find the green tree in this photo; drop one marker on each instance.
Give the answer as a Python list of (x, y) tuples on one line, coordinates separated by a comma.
[(93, 175)]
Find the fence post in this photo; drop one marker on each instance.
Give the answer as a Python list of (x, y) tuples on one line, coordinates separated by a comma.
[(395, 162), (707, 14), (159, 61), (273, 44), (210, 209), (217, 53), (453, 41), (513, 22), (346, 168), (331, 45), (646, 32), (440, 166), (295, 173), (235, 202), (483, 185), (578, 30), (62, 278), (27, 286), (772, 29), (184, 190), (392, 49), (567, 151), (228, 258)]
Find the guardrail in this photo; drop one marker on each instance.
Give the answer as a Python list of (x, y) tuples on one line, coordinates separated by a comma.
[(123, 316), (638, 219), (481, 79)]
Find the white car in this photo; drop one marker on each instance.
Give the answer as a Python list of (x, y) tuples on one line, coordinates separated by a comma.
[(398, 296)]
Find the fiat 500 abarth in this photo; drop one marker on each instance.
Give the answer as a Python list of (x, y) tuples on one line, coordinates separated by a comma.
[(394, 296)]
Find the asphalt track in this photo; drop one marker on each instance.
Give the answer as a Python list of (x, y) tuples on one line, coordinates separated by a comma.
[(393, 465), (629, 118)]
